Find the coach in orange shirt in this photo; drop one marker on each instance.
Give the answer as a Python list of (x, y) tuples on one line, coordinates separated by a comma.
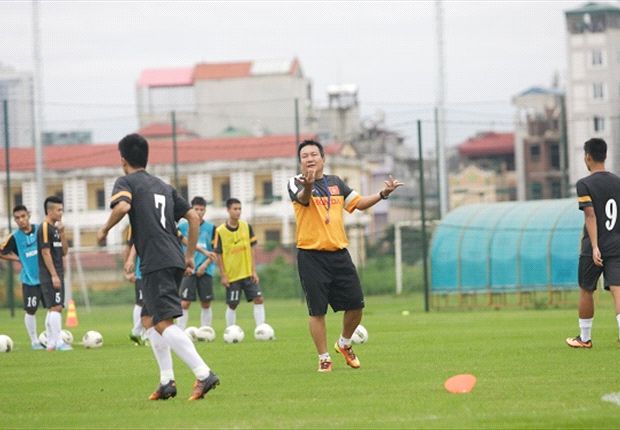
[(327, 274)]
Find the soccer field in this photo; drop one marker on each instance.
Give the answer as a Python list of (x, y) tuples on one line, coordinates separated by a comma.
[(527, 376)]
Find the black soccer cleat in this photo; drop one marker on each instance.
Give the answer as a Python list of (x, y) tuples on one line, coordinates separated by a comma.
[(164, 391), (203, 386)]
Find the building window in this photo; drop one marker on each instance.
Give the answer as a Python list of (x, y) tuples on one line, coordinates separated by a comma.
[(536, 191), (598, 124), (554, 156), (18, 199), (100, 199), (597, 57), (267, 191), (534, 153), (598, 91), (272, 236), (225, 191), (556, 190)]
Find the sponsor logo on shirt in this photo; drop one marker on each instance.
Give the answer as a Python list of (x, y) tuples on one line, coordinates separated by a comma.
[(31, 253), (57, 244)]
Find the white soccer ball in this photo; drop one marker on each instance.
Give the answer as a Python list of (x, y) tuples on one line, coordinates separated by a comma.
[(233, 334), (43, 338), (360, 335), (192, 333), (6, 343), (264, 332), (92, 339), (67, 337), (205, 334)]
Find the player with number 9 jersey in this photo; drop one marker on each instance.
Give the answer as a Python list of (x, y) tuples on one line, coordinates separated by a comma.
[(601, 191)]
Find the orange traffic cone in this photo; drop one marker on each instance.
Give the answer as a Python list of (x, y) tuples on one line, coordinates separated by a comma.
[(72, 320)]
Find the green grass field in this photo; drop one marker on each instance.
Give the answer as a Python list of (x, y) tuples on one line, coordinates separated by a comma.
[(527, 377)]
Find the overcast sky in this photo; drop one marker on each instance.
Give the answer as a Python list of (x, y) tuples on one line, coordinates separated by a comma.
[(93, 53)]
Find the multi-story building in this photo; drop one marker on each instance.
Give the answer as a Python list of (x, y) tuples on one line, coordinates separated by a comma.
[(593, 87), (540, 144), (73, 137), (18, 89), (209, 98), (487, 170), (254, 170)]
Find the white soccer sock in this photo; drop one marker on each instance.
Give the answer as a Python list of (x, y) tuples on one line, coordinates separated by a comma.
[(47, 326), (185, 349), (137, 321), (182, 320), (55, 325), (324, 356), (618, 319), (585, 325), (259, 314), (206, 317), (31, 327), (231, 316), (343, 341), (161, 350)]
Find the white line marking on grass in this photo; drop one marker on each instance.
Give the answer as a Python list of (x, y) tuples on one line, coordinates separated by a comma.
[(612, 398)]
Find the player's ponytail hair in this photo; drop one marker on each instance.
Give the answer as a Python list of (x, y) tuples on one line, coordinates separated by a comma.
[(597, 148), (135, 150)]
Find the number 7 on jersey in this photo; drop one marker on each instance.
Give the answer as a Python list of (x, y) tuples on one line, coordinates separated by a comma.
[(160, 203)]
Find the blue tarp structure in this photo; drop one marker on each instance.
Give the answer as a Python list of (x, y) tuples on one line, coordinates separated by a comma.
[(508, 246)]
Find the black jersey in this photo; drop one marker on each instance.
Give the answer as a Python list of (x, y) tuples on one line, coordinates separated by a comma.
[(601, 190), (155, 209), (48, 236)]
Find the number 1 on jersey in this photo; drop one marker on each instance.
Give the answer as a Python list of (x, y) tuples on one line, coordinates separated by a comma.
[(160, 202)]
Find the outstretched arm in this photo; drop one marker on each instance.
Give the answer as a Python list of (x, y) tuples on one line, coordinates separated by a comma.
[(118, 212), (591, 228), (368, 201)]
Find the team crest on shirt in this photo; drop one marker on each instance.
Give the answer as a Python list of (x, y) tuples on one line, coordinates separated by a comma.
[(333, 189)]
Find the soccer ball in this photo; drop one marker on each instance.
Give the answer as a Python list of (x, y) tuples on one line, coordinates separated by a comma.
[(192, 333), (43, 338), (205, 333), (360, 335), (92, 339), (264, 332), (233, 334), (6, 343), (67, 337)]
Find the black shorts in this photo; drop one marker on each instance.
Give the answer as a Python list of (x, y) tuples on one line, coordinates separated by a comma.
[(250, 289), (161, 294), (590, 272), (329, 277), (51, 296), (32, 297), (204, 285), (138, 289)]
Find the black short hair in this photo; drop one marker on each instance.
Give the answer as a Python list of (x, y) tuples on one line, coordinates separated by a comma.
[(597, 148), (308, 143), (231, 201), (19, 208), (51, 199), (135, 149), (199, 201)]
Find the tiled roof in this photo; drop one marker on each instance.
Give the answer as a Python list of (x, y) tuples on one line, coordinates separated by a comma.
[(488, 144), (167, 77), (69, 157), (222, 70), (162, 130)]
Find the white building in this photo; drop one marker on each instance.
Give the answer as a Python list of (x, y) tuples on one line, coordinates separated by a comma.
[(17, 88), (593, 87), (208, 98)]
